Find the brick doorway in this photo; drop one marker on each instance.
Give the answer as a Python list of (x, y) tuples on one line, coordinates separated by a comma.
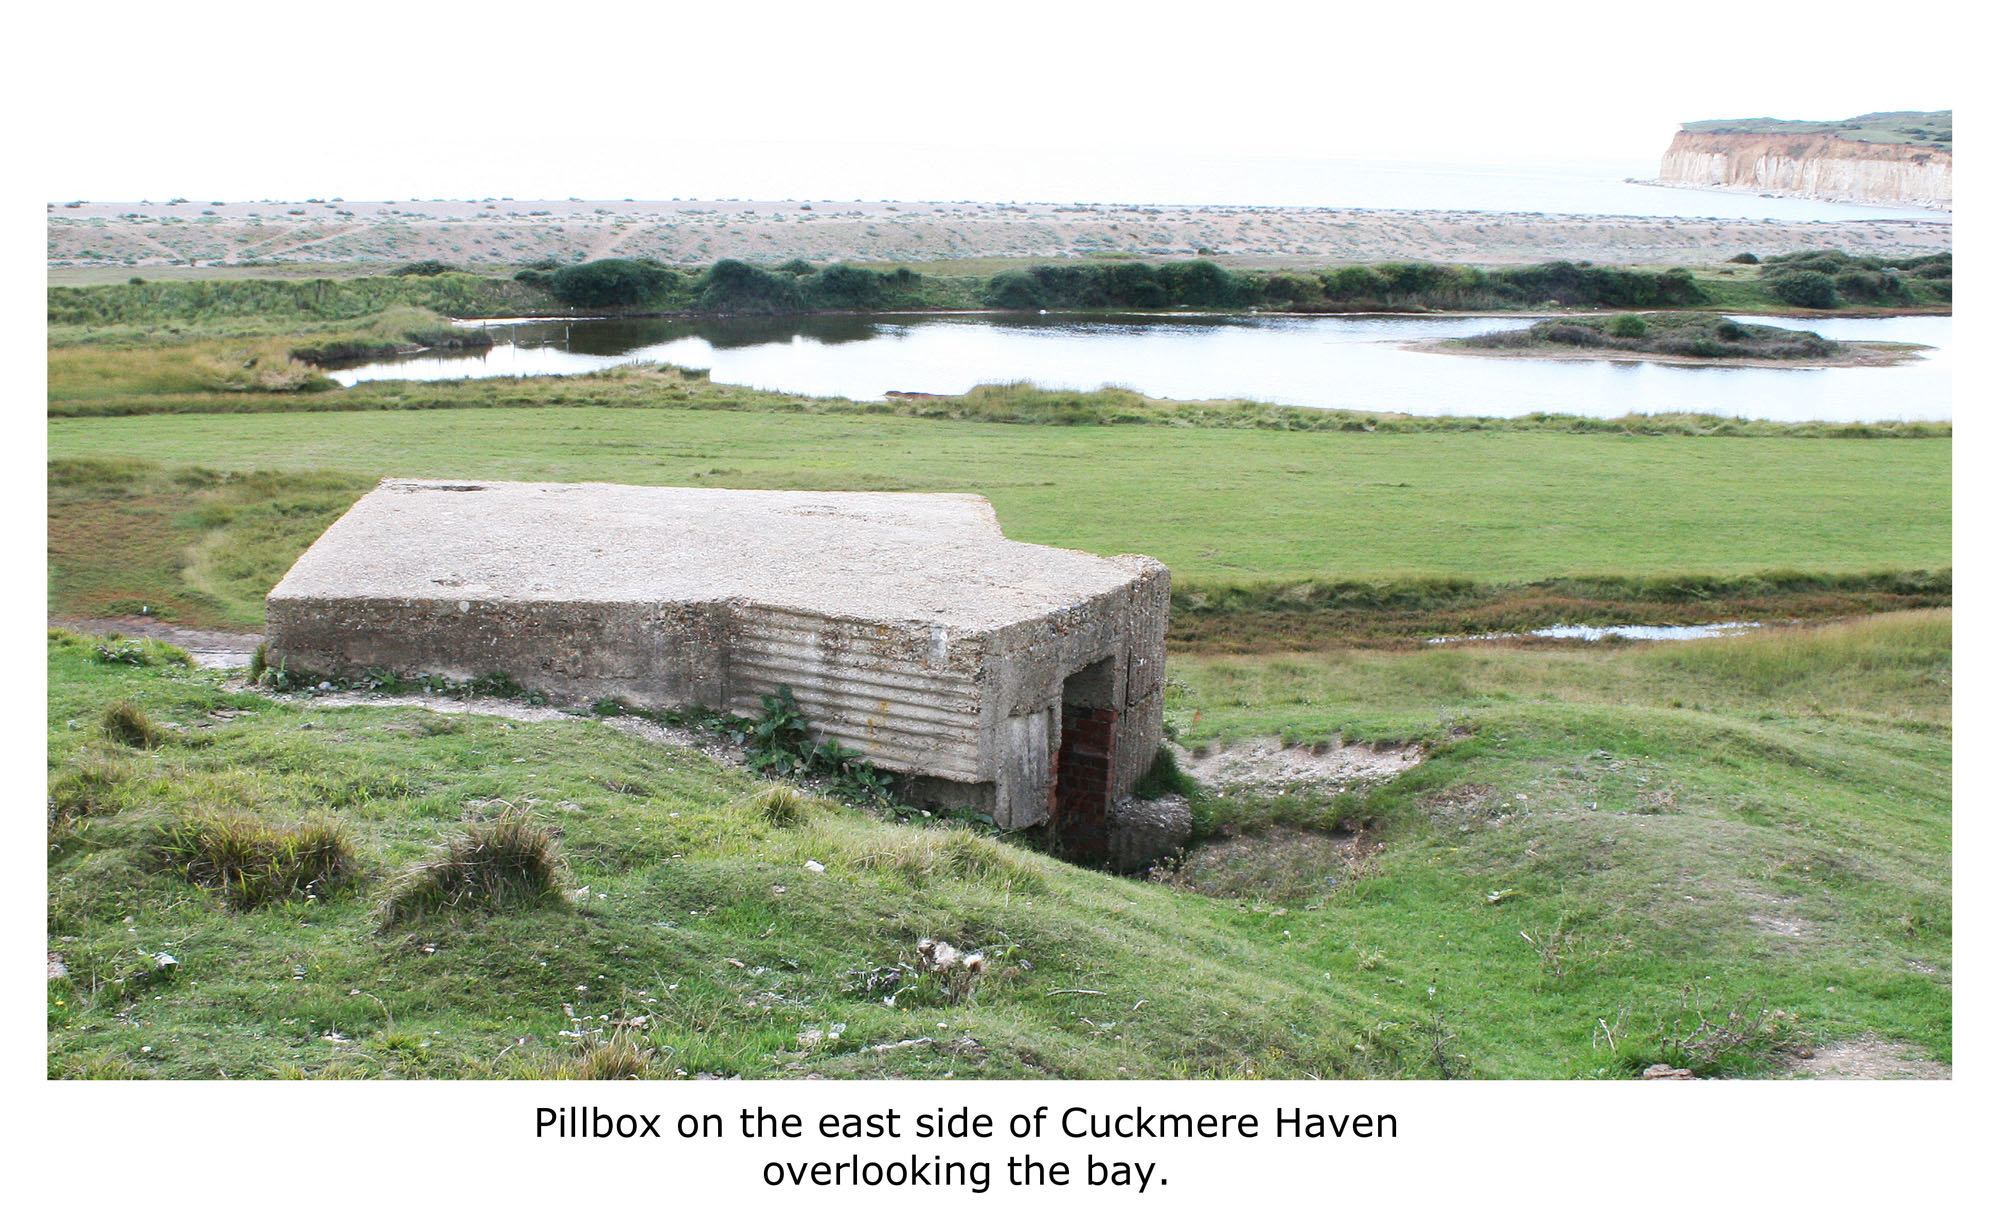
[(1080, 808)]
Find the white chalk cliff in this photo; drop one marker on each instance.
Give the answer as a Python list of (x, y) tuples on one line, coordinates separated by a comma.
[(1811, 166)]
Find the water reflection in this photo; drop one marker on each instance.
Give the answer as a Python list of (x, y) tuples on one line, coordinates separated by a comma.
[(1351, 362)]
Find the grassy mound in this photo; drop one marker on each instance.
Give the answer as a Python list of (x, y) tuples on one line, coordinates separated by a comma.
[(507, 861), (1605, 851)]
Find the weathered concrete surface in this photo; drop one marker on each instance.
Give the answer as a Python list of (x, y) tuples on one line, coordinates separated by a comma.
[(907, 625)]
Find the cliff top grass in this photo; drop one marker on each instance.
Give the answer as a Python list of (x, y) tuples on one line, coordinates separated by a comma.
[(1922, 128)]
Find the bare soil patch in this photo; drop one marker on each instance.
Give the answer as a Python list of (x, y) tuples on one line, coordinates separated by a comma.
[(1268, 767), (1771, 916), (1868, 1058), (1280, 862)]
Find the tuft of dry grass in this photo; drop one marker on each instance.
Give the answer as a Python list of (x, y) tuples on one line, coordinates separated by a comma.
[(89, 788), (253, 862), (781, 805), (500, 862), (128, 725)]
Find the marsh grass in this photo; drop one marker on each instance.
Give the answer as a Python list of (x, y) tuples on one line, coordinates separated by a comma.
[(1684, 335)]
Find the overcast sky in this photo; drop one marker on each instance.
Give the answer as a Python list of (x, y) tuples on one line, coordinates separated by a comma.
[(1025, 99)]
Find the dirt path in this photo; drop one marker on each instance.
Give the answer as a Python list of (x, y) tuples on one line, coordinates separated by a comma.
[(1868, 1058), (210, 650)]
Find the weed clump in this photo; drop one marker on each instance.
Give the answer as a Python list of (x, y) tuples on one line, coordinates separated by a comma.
[(253, 862), (502, 862), (779, 743), (781, 805), (1164, 779), (90, 788), (1702, 1038), (128, 651), (128, 725)]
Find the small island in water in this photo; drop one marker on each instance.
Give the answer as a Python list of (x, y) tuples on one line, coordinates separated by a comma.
[(1694, 338)]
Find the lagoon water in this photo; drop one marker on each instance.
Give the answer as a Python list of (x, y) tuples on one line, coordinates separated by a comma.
[(1333, 362)]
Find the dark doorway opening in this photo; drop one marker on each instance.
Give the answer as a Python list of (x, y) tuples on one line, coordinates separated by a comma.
[(1081, 808)]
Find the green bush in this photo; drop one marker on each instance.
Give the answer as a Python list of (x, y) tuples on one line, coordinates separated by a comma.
[(1355, 284), (737, 286), (1806, 289), (1870, 286), (844, 287), (1744, 259), (1291, 290), (1013, 290), (611, 283), (429, 268), (1628, 325), (1203, 284)]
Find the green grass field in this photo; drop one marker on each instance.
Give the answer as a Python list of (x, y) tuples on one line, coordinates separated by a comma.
[(1219, 506), (1600, 843), (1604, 852)]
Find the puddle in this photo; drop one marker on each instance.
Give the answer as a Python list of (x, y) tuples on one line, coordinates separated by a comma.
[(1623, 632)]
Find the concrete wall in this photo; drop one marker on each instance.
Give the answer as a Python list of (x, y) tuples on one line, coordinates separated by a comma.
[(1119, 637), (971, 720), (653, 654), (909, 697)]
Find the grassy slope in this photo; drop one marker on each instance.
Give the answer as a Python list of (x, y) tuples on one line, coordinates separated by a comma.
[(1806, 776), (1646, 808), (1220, 506)]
